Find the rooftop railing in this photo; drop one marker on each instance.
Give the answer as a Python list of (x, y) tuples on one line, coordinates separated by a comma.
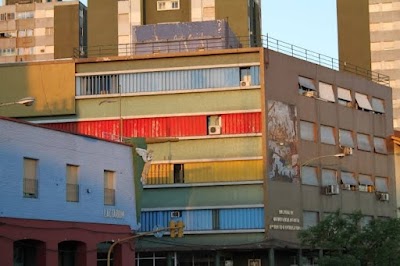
[(207, 44)]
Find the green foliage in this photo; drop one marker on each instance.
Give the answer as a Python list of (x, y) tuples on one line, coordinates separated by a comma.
[(346, 242)]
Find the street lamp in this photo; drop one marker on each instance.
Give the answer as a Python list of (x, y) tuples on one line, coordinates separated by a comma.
[(27, 101), (338, 155)]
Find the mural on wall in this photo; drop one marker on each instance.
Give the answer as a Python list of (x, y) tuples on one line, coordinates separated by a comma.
[(282, 142)]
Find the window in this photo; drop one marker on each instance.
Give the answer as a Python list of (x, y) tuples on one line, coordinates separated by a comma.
[(328, 177), (25, 15), (49, 31), (215, 219), (378, 106), (30, 178), (214, 124), (326, 92), (381, 184), (306, 85), (363, 142), (10, 16), (109, 187), (363, 102), (72, 183), (310, 219), (179, 174), (245, 76), (346, 138), (366, 184), (327, 135), (309, 176), (307, 130), (380, 145), (167, 5), (348, 181), (344, 97)]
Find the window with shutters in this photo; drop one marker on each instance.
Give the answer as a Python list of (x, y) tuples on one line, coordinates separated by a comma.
[(30, 189), (72, 183), (109, 187)]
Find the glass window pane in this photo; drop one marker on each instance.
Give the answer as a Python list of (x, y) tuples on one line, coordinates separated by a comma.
[(326, 92), (365, 180), (348, 178), (381, 184), (346, 138), (378, 106), (309, 176), (309, 219), (307, 131), (327, 135), (306, 84), (328, 177), (363, 142), (380, 145), (363, 102), (344, 95)]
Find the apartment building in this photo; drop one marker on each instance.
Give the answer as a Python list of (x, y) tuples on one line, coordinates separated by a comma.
[(369, 37), (115, 19), (41, 30), (65, 197)]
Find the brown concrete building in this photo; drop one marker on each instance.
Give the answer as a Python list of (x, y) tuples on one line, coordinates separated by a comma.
[(41, 30), (110, 22), (369, 37), (265, 144)]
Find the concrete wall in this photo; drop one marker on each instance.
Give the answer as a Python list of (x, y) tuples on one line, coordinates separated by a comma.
[(54, 150)]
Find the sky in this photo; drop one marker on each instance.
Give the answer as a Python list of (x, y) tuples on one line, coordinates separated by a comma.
[(309, 24)]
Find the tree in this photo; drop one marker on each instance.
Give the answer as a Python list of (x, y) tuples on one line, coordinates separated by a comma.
[(346, 241)]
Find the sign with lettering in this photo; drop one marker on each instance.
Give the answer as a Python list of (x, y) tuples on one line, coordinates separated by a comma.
[(285, 221), (114, 213)]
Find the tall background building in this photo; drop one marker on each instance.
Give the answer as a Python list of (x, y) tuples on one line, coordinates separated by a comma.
[(41, 30), (369, 36)]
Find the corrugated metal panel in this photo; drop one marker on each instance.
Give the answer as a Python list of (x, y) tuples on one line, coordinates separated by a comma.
[(197, 220), (208, 172), (166, 127), (166, 80), (107, 129), (241, 218), (241, 123), (149, 220)]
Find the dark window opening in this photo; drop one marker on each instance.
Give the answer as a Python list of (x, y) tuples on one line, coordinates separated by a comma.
[(179, 174)]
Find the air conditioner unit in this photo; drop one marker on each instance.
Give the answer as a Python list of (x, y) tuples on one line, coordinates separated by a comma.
[(214, 130), (332, 190), (383, 196), (347, 150), (254, 262), (346, 186), (246, 81), (310, 94), (363, 188), (176, 214)]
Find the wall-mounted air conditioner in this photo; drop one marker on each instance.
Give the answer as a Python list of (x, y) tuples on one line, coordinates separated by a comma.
[(246, 81), (176, 214), (383, 196), (332, 190), (346, 186), (347, 150), (311, 94), (214, 130), (363, 188)]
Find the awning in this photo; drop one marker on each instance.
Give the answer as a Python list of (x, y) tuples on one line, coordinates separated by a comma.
[(344, 94), (363, 102), (365, 180), (348, 179), (326, 92), (306, 83)]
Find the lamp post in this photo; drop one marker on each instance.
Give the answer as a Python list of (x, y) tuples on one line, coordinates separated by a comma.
[(338, 155), (27, 101)]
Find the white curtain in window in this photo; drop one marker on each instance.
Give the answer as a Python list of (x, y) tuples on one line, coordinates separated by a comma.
[(328, 177), (309, 176), (327, 135), (381, 184), (346, 138)]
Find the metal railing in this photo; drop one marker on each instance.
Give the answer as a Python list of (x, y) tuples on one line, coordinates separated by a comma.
[(207, 44)]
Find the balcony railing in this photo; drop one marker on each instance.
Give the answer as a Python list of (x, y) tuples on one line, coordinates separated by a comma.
[(187, 45)]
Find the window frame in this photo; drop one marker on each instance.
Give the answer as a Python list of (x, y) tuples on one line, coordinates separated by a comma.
[(109, 192), (325, 92), (72, 183), (179, 174), (30, 188), (377, 148), (304, 125), (313, 178), (361, 147), (343, 136), (328, 140)]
